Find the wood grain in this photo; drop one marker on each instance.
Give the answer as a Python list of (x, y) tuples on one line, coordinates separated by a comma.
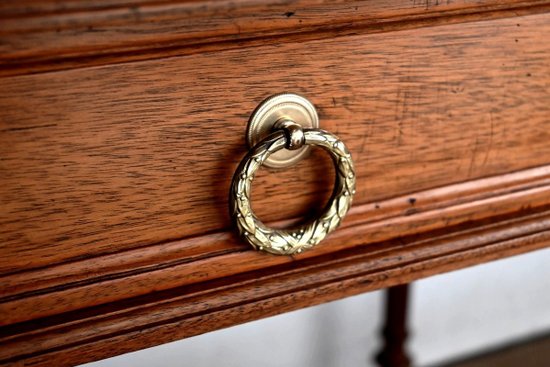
[(38, 36), (114, 231), (160, 317), (112, 158), (68, 287)]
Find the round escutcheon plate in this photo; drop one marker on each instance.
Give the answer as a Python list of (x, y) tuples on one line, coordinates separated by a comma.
[(276, 108)]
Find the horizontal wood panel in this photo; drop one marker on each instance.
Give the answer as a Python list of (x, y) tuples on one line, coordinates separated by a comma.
[(27, 8), (100, 332), (104, 159), (528, 188), (86, 283), (38, 35)]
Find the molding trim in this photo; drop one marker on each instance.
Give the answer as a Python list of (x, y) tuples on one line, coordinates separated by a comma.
[(45, 36), (165, 292)]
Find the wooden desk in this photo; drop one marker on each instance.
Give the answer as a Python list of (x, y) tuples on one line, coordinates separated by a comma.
[(122, 122)]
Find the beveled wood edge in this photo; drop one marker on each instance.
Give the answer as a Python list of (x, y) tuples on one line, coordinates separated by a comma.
[(62, 288), (159, 318), (38, 43), (25, 8)]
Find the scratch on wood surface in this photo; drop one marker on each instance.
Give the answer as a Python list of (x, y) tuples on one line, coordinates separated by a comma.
[(491, 137), (473, 158)]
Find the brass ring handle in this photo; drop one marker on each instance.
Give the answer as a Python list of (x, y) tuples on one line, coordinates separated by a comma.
[(287, 242)]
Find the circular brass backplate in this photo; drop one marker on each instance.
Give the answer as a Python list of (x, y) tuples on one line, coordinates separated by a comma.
[(278, 107)]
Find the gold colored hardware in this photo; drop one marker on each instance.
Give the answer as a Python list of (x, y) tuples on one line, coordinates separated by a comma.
[(274, 110), (290, 135), (295, 138)]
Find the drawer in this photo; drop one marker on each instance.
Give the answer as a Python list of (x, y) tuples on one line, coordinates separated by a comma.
[(115, 177)]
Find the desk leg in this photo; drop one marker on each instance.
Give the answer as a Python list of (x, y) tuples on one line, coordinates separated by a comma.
[(393, 353)]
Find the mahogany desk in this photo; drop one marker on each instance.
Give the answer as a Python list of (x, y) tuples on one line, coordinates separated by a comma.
[(122, 122)]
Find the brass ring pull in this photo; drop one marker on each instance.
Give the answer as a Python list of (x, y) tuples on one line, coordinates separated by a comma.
[(286, 242)]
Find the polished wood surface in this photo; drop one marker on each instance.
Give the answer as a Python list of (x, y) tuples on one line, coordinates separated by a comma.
[(64, 287), (51, 35), (114, 228), (112, 158), (156, 318)]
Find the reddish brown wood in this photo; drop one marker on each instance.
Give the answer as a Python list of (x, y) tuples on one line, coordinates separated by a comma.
[(158, 318), (114, 230), (45, 35), (50, 291), (123, 156)]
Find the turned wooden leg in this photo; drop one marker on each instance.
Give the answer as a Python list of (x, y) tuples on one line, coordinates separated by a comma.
[(393, 353)]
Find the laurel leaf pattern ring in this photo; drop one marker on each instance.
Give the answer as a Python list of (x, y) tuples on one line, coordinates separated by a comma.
[(282, 241)]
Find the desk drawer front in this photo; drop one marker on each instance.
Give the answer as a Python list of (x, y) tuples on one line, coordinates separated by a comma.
[(115, 178), (109, 158)]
